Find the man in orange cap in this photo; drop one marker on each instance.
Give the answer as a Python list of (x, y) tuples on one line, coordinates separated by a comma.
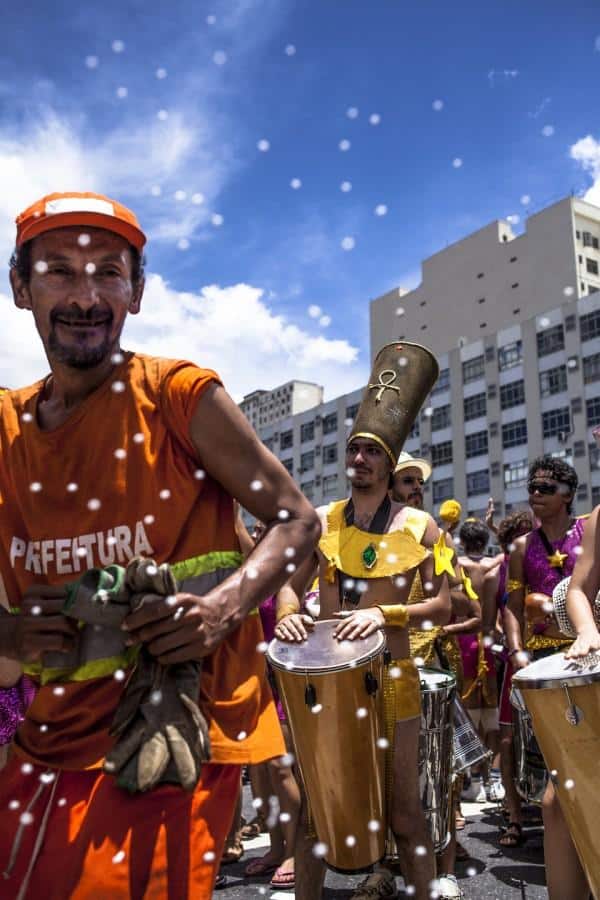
[(112, 456)]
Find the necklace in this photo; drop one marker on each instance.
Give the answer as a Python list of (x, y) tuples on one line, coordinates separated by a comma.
[(555, 556), (376, 526)]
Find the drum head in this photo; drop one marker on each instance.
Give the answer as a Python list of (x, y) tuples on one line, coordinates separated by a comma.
[(321, 652), (435, 680), (554, 672)]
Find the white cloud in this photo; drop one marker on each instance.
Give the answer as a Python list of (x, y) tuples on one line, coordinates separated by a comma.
[(230, 329), (586, 152)]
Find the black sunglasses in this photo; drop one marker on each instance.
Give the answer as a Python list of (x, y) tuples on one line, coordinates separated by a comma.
[(542, 487)]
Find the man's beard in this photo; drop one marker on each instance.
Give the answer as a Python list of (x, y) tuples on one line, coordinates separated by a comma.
[(79, 356), (415, 500)]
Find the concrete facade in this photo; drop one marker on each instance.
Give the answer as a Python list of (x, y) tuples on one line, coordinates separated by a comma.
[(263, 408)]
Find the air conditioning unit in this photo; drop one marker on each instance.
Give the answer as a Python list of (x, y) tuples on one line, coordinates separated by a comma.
[(495, 469), (582, 492), (317, 451), (492, 391), (570, 323), (490, 354), (573, 363), (579, 448), (318, 420), (317, 479), (276, 436), (576, 405), (425, 449), (493, 429)]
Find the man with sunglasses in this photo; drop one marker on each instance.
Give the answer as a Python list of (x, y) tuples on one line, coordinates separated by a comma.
[(538, 561)]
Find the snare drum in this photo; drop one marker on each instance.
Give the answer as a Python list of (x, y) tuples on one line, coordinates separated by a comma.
[(332, 693), (469, 749), (531, 776), (563, 700)]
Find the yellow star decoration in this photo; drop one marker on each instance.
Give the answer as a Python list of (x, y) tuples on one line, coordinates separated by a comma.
[(442, 556), (468, 586), (557, 559)]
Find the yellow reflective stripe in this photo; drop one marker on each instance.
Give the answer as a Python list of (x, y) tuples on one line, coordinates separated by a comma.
[(97, 668), (208, 562)]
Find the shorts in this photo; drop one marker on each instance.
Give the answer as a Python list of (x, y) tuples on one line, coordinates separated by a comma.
[(401, 691)]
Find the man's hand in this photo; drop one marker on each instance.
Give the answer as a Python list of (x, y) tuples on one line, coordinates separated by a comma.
[(519, 660), (294, 627), (588, 640), (179, 628), (40, 626), (359, 624)]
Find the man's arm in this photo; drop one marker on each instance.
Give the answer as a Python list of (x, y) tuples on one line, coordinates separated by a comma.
[(583, 588), (230, 451), (514, 610), (436, 607), (489, 606)]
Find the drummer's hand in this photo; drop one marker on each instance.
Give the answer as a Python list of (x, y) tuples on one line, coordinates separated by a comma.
[(519, 660), (294, 627), (359, 624), (587, 641)]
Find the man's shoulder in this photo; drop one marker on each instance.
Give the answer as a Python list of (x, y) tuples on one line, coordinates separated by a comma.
[(403, 516), (14, 401)]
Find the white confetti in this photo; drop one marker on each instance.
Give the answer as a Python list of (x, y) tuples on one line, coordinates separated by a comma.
[(27, 417), (120, 453), (62, 801), (117, 358), (161, 73), (26, 818), (284, 817), (156, 190), (36, 610), (92, 62), (290, 568), (211, 19), (348, 243), (217, 219), (350, 840), (262, 647), (373, 825), (14, 804), (209, 856), (295, 184), (263, 145), (569, 784), (325, 321), (199, 474), (352, 112), (119, 675), (118, 46), (162, 115), (117, 387), (58, 691), (381, 209), (400, 311), (420, 850), (344, 145), (256, 485), (290, 50), (362, 712), (242, 736), (374, 119), (94, 503), (316, 709), (320, 850), (438, 105), (183, 244), (26, 768), (198, 198), (548, 130), (138, 438), (314, 311), (118, 857), (219, 57), (156, 698), (121, 92), (457, 162), (525, 200), (283, 514), (568, 291), (35, 487)]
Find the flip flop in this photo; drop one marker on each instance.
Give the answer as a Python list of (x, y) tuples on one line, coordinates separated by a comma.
[(260, 867), (281, 879), (512, 836)]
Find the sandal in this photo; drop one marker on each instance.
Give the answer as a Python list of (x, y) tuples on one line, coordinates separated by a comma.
[(512, 836), (233, 853), (253, 829), (285, 880), (260, 866)]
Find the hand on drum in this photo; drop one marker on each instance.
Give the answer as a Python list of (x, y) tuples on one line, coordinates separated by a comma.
[(294, 627), (588, 640), (359, 624)]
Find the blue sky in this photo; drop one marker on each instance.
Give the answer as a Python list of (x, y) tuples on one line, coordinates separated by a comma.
[(166, 111)]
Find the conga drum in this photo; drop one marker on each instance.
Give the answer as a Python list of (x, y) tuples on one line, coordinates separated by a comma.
[(563, 700), (333, 697)]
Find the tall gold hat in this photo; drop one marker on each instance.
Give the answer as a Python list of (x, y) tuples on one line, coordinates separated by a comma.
[(402, 377)]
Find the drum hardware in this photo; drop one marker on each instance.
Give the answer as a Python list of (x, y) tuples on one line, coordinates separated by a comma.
[(371, 684), (573, 714), (310, 695)]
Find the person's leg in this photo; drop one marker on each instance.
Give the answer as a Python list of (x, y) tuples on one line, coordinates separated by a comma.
[(408, 818), (259, 784), (512, 836), (564, 875), (234, 850), (310, 869), (285, 788)]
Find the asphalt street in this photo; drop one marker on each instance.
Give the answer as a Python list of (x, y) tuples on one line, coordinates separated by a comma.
[(490, 874)]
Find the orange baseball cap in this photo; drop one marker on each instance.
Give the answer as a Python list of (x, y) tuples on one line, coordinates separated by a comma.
[(78, 208)]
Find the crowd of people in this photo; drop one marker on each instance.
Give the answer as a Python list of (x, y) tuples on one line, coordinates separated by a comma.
[(137, 611)]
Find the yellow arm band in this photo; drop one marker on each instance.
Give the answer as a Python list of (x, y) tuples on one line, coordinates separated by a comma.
[(395, 615), (513, 585), (286, 609)]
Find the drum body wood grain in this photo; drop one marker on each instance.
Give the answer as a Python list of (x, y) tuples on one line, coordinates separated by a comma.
[(564, 705), (332, 693)]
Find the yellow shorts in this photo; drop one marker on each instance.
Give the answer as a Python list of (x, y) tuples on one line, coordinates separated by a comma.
[(401, 691)]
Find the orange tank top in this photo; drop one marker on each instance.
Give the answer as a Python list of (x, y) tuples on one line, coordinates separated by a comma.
[(119, 478)]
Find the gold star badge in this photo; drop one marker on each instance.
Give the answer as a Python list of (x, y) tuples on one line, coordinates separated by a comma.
[(557, 559)]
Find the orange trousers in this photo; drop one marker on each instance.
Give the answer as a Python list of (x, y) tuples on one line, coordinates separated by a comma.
[(97, 842)]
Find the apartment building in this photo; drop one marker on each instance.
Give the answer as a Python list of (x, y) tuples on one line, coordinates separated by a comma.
[(526, 383), (263, 408)]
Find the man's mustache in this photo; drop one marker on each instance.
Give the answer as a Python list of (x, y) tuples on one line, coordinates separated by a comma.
[(74, 315)]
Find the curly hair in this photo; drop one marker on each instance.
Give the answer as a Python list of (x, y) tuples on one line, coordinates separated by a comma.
[(557, 469), (474, 535), (513, 526), (20, 261)]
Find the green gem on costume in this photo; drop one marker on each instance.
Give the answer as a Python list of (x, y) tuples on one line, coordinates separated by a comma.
[(369, 556)]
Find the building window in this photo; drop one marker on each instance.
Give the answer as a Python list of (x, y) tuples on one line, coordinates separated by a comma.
[(556, 421), (441, 417), (268, 442), (308, 489), (478, 482), (330, 453), (589, 325), (286, 440), (351, 411), (443, 489), (414, 431), (591, 266), (550, 340), (307, 460), (474, 407), (443, 382), (595, 494), (514, 433), (441, 454), (330, 484), (512, 394), (589, 240), (473, 369), (594, 451), (510, 355), (476, 444), (591, 368), (592, 408), (330, 423), (307, 432), (553, 381), (288, 464), (515, 473)]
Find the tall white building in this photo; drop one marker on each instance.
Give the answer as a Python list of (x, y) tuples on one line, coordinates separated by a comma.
[(521, 379), (262, 408)]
